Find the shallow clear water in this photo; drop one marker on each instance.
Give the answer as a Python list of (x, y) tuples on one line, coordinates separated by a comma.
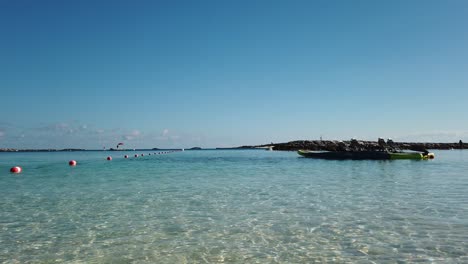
[(237, 206)]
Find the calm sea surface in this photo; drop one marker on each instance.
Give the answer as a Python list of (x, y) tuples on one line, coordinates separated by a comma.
[(249, 206)]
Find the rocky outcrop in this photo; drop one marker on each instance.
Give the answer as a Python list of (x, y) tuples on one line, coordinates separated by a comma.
[(338, 145)]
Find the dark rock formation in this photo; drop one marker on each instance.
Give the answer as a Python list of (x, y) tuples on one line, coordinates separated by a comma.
[(337, 145)]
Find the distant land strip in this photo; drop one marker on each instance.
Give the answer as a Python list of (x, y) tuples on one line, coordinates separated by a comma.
[(37, 150), (326, 145), (73, 149)]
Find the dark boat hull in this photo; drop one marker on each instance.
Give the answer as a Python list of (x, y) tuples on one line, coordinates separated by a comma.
[(364, 155), (346, 155)]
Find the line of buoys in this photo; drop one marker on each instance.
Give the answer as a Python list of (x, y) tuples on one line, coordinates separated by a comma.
[(149, 154), (16, 169), (73, 163)]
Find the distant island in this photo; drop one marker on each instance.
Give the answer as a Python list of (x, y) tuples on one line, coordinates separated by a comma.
[(327, 145), (241, 147), (38, 150), (339, 145)]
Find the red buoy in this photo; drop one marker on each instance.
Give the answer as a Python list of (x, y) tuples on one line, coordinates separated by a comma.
[(109, 158), (136, 155), (126, 156), (72, 163), (16, 169)]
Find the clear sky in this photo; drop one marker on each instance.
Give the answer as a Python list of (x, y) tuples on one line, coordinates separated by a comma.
[(215, 73)]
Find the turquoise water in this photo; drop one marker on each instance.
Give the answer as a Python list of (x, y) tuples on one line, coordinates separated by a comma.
[(247, 206)]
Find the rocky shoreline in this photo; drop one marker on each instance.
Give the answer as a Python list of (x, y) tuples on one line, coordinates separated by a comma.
[(337, 145)]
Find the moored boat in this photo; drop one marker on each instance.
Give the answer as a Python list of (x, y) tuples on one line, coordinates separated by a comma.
[(364, 155)]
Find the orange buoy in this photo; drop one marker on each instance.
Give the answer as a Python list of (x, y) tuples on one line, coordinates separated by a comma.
[(72, 163), (109, 158), (16, 169)]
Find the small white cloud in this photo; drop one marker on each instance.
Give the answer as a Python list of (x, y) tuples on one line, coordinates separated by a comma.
[(167, 136), (132, 135), (197, 139), (60, 126)]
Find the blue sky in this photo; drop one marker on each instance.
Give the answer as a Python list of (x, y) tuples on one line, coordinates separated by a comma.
[(227, 73)]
